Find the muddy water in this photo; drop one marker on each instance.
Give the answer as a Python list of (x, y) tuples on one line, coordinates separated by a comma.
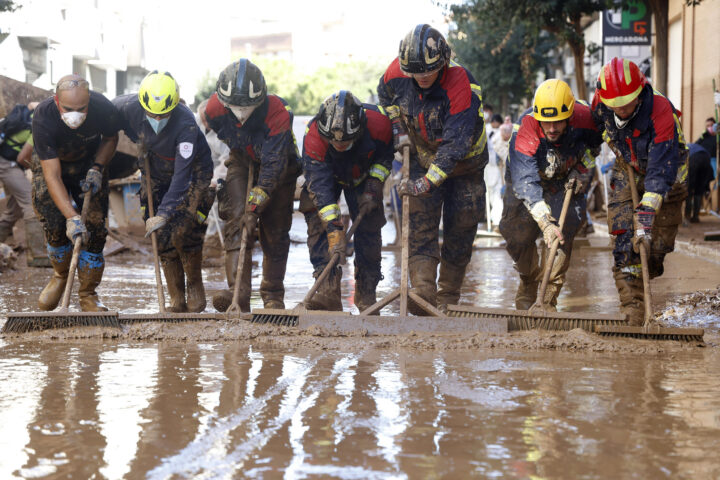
[(217, 400)]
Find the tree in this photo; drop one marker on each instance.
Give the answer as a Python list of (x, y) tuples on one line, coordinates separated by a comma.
[(8, 6), (502, 57), (561, 18)]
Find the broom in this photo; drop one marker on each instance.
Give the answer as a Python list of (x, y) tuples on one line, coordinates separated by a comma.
[(290, 317), (62, 318), (539, 316), (650, 330), (163, 315)]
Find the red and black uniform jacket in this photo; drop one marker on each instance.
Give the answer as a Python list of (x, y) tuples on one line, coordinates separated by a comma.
[(266, 138)]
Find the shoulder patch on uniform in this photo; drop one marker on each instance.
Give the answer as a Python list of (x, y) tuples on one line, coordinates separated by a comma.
[(185, 149), (379, 126), (528, 136), (457, 85)]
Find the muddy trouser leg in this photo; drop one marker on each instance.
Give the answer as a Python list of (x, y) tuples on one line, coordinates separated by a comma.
[(463, 207), (520, 232), (627, 268), (665, 228), (91, 263), (328, 295), (17, 192), (368, 250), (275, 223), (174, 280), (231, 206), (424, 249), (575, 217)]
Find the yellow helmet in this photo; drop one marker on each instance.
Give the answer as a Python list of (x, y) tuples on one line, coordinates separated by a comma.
[(553, 101), (159, 92)]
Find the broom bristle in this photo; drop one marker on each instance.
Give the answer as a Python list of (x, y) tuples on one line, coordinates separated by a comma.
[(23, 322), (654, 332), (128, 319)]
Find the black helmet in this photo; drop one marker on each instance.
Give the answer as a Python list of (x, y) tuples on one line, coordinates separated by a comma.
[(423, 50), (341, 117), (242, 84)]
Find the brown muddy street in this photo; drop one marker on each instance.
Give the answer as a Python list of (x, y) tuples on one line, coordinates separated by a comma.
[(234, 400)]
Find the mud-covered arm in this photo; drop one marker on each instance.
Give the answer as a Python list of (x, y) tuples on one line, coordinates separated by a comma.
[(319, 175), (523, 162), (663, 151)]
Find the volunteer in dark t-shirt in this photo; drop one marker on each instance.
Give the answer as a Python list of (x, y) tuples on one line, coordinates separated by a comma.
[(75, 134)]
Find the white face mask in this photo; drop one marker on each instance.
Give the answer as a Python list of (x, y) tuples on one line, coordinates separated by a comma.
[(73, 119), (620, 123), (242, 113)]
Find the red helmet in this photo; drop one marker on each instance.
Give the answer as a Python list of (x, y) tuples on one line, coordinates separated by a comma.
[(620, 82)]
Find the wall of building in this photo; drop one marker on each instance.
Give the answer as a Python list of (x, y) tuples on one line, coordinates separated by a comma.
[(700, 61)]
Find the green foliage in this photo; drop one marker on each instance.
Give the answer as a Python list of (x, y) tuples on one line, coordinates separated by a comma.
[(8, 6), (205, 88), (502, 57), (306, 91)]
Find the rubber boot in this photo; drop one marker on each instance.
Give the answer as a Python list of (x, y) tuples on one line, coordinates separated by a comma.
[(632, 296), (449, 283), (175, 282), (365, 289), (272, 289), (530, 273), (192, 264), (422, 271), (35, 241), (5, 232), (90, 270), (327, 296), (60, 260), (223, 299)]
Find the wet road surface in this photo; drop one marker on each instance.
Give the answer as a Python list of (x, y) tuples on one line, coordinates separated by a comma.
[(99, 408)]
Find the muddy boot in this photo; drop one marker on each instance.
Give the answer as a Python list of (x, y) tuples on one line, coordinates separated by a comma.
[(632, 296), (530, 274), (60, 260), (327, 296), (557, 278), (422, 271), (175, 282), (449, 283), (192, 265), (272, 289), (223, 299), (5, 232), (90, 270), (365, 289), (35, 241)]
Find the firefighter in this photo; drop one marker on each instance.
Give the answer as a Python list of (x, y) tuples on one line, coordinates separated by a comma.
[(180, 170), (547, 156), (75, 133), (642, 128), (436, 108), (258, 129), (347, 148)]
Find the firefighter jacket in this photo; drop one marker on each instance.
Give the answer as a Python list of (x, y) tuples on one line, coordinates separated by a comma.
[(652, 141), (371, 155), (535, 164), (179, 155), (445, 122), (266, 138)]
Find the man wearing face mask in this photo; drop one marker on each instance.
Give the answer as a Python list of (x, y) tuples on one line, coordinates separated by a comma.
[(347, 148), (258, 129), (436, 108), (642, 128), (180, 169), (75, 135), (547, 156)]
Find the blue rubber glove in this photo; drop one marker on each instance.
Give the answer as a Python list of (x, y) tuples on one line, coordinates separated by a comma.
[(74, 227), (93, 181)]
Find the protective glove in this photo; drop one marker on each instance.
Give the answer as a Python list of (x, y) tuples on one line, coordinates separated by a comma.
[(576, 181), (643, 221), (548, 225), (154, 223), (93, 181), (372, 196), (74, 227), (400, 134), (249, 222), (336, 244), (415, 188), (257, 200)]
